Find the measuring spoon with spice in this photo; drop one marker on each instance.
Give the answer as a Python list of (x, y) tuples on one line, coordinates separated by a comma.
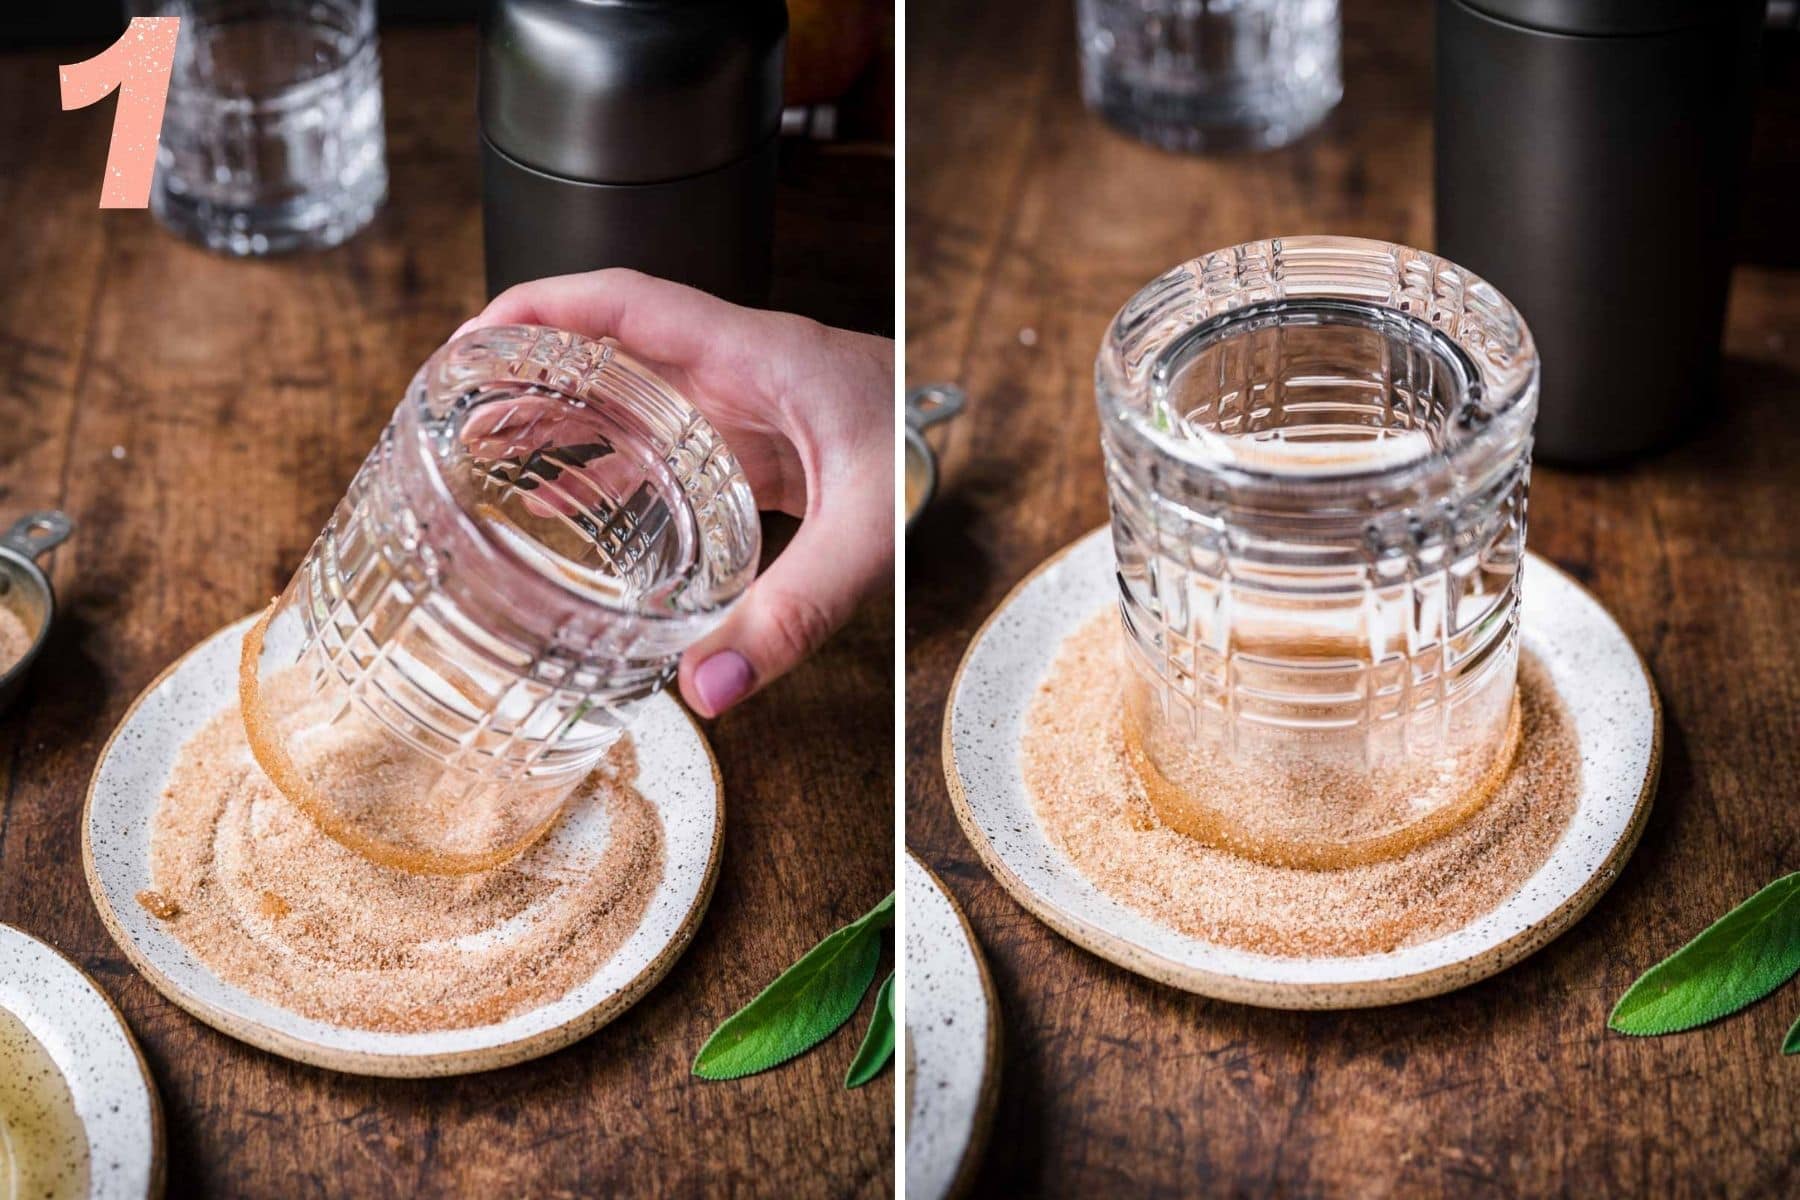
[(27, 604), (925, 406)]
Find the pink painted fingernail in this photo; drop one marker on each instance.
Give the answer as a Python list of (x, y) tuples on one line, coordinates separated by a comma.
[(722, 681)]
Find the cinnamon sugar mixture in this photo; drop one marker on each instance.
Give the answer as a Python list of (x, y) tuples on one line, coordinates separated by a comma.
[(271, 904), (1093, 807), (15, 638)]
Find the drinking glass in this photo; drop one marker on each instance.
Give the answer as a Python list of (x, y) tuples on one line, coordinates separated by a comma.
[(272, 136), (1211, 74), (1318, 452), (541, 530)]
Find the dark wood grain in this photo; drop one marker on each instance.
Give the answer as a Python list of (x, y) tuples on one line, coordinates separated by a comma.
[(240, 397), (1026, 214)]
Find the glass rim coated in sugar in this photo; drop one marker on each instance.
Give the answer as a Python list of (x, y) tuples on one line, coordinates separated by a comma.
[(1318, 456)]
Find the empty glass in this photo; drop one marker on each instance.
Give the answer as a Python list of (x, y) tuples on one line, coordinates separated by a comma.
[(542, 529), (272, 137), (1317, 455), (1210, 74)]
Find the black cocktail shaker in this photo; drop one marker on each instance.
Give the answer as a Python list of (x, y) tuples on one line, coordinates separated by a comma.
[(1590, 157), (631, 133)]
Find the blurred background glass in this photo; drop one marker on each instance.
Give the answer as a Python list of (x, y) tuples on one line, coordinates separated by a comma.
[(272, 139), (1211, 74)]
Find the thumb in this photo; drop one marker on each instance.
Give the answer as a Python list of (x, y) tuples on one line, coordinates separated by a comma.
[(836, 559)]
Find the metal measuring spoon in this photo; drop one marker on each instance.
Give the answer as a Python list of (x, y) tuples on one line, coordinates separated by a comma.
[(925, 407), (25, 589)]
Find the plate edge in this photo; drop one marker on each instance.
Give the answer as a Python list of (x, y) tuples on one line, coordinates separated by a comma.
[(158, 1160), (987, 1100)]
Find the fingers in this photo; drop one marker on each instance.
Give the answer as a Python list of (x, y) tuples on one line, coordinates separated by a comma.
[(840, 556), (657, 319)]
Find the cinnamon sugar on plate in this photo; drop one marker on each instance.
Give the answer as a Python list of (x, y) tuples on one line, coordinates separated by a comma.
[(271, 904), (1093, 807)]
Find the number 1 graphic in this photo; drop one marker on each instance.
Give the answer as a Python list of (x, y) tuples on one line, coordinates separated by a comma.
[(138, 65)]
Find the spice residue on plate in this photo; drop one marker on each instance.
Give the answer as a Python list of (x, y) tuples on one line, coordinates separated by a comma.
[(43, 1144), (1092, 805), (273, 905), (15, 639)]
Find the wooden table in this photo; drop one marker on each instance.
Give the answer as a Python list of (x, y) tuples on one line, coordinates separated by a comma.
[(199, 417), (1028, 225)]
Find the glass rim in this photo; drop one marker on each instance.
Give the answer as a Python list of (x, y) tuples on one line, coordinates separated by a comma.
[(431, 383), (1476, 326)]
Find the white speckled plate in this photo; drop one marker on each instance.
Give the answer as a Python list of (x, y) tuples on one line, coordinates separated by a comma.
[(1597, 673), (676, 774), (952, 1059), (90, 1044)]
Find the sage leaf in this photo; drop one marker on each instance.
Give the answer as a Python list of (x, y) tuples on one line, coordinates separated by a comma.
[(1738, 959), (878, 1043), (1792, 1044), (806, 1004)]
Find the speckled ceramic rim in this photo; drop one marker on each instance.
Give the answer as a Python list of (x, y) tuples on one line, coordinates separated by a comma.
[(969, 1163), (404, 1055), (1350, 982), (154, 1171)]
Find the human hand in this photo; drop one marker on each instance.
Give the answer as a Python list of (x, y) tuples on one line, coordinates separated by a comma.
[(809, 412)]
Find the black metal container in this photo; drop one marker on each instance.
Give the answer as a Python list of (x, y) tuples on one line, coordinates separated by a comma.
[(1590, 156), (631, 133)]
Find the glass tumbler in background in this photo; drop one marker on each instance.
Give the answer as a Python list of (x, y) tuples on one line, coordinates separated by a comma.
[(1200, 75), (1317, 454), (272, 137), (541, 530)]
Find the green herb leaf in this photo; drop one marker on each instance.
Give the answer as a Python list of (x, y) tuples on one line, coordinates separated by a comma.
[(878, 1043), (805, 1005), (1739, 959), (1792, 1044)]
